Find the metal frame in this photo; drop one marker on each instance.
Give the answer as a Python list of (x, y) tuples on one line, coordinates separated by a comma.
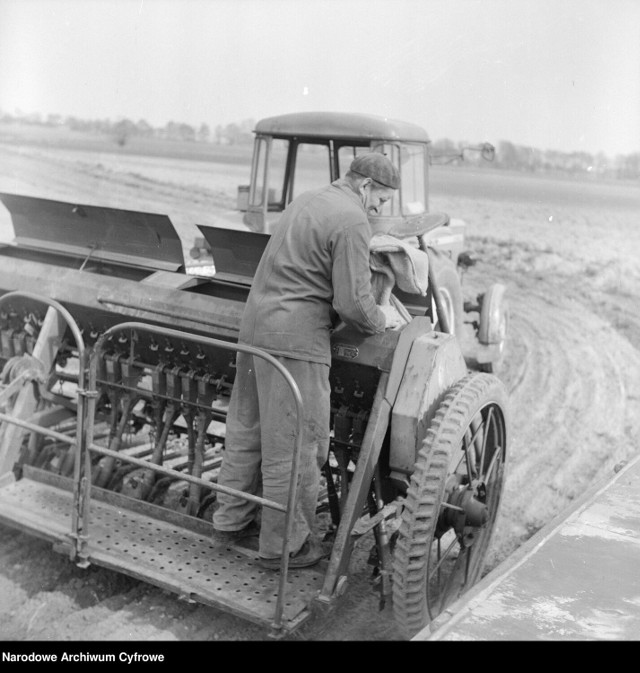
[(84, 499), (85, 446)]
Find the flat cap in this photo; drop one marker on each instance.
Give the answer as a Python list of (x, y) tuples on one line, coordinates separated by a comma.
[(377, 167)]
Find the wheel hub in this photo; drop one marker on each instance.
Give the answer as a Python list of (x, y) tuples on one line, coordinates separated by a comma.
[(466, 507)]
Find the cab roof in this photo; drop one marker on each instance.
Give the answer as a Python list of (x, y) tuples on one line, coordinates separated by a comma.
[(341, 125)]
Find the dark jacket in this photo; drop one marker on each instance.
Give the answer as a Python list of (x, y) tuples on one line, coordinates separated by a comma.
[(314, 270)]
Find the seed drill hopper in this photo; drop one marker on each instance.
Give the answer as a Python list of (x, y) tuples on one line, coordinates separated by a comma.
[(117, 367)]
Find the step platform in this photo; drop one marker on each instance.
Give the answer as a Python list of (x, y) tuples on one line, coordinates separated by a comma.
[(167, 554)]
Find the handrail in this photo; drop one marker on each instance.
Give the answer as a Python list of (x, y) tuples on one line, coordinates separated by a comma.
[(81, 403), (169, 472), (92, 393)]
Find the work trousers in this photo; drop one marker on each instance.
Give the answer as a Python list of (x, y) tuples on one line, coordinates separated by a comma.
[(259, 446)]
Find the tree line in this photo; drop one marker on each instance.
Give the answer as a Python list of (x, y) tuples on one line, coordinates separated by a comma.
[(523, 158), (123, 130), (508, 155)]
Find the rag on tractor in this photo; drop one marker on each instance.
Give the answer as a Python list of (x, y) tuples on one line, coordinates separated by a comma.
[(117, 367)]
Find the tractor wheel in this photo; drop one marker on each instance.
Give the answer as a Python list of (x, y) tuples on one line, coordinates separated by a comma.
[(494, 322), (448, 282), (452, 502)]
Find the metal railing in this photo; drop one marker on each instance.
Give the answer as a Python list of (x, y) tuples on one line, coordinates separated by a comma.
[(87, 391), (92, 394)]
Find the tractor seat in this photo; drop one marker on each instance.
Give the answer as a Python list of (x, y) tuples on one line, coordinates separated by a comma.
[(420, 225)]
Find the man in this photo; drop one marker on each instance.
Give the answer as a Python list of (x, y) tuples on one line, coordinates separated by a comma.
[(314, 272)]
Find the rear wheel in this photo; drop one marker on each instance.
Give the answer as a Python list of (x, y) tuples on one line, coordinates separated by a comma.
[(452, 502)]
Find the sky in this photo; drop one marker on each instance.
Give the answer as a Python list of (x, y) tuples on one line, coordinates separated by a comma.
[(549, 74)]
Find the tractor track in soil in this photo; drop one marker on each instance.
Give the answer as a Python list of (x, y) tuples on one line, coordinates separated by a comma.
[(572, 371)]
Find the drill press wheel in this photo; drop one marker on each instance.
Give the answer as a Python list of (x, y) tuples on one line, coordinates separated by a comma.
[(452, 502)]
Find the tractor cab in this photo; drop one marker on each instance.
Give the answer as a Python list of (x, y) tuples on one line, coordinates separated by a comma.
[(296, 152)]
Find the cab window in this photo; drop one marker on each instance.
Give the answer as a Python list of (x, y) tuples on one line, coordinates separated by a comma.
[(392, 207), (277, 173), (277, 150), (412, 176), (256, 194), (312, 168)]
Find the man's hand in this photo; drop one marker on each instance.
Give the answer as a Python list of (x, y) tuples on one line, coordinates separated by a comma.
[(392, 318)]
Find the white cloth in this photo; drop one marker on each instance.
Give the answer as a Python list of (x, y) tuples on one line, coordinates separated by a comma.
[(395, 262), (398, 263)]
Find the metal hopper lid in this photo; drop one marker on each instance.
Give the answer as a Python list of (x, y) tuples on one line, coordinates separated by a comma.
[(126, 237), (236, 254)]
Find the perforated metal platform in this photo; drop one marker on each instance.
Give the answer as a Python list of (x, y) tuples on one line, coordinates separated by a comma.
[(186, 562)]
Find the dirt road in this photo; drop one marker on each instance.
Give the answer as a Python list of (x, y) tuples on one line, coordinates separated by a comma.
[(573, 371)]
